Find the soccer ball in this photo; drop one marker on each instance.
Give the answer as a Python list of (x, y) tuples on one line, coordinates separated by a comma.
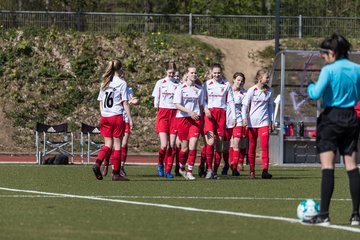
[(307, 209)]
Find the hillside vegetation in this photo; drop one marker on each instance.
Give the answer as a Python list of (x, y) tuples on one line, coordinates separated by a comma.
[(54, 77)]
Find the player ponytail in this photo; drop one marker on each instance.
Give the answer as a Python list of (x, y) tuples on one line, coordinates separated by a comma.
[(113, 66)]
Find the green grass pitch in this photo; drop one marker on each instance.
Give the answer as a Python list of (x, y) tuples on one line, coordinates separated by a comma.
[(149, 207)]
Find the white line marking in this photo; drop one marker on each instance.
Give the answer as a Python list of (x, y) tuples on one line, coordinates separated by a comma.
[(179, 197), (191, 209)]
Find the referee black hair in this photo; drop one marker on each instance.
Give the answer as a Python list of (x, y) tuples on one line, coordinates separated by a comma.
[(338, 44)]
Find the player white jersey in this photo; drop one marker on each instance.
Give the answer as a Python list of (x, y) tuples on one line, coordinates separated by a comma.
[(112, 97), (191, 97), (163, 93), (130, 94), (258, 107), (238, 99), (217, 94)]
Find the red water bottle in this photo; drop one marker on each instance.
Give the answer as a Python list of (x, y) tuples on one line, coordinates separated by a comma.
[(291, 129)]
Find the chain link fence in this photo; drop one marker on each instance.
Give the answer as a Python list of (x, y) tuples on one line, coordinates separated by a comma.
[(226, 26)]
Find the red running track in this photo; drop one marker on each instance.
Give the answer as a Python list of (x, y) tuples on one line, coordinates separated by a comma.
[(150, 159), (136, 159)]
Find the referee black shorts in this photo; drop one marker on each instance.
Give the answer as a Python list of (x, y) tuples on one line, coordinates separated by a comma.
[(337, 128)]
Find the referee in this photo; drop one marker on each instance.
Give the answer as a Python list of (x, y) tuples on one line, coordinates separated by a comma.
[(337, 127)]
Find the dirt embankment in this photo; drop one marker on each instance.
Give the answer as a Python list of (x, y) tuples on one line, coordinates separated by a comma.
[(240, 56)]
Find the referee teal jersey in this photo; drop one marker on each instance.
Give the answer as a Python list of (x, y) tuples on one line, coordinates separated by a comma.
[(338, 83)]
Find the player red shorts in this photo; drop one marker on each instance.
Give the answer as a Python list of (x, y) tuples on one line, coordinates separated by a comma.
[(127, 128), (112, 126), (239, 132), (216, 124), (228, 134), (188, 128), (165, 121)]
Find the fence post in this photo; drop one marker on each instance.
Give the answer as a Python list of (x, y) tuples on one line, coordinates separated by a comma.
[(78, 20), (300, 26), (190, 24)]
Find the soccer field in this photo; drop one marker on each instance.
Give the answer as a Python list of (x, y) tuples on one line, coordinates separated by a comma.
[(67, 202)]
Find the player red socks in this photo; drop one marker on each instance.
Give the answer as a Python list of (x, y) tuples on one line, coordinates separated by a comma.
[(217, 161), (115, 161), (102, 155), (191, 160), (161, 158), (170, 159), (209, 156)]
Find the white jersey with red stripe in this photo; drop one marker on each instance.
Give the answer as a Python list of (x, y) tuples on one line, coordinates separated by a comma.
[(258, 107), (219, 94), (238, 99), (112, 97), (130, 94), (190, 97), (163, 93)]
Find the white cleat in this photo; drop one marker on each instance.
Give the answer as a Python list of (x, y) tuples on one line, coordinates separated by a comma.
[(182, 173), (209, 174), (190, 176)]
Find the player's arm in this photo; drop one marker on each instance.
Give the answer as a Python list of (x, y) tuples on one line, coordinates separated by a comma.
[(192, 114), (231, 103), (271, 113), (128, 113), (205, 101), (246, 106)]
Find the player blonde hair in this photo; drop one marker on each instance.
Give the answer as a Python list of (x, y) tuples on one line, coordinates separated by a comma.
[(260, 73), (113, 66)]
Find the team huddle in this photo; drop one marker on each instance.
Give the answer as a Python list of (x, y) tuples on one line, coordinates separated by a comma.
[(223, 114)]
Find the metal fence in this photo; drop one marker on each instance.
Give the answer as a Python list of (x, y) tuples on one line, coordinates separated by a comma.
[(229, 26)]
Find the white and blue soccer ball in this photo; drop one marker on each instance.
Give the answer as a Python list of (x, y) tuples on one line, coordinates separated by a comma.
[(307, 209)]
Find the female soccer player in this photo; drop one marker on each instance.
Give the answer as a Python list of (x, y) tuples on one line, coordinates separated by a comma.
[(188, 99), (337, 126), (239, 132), (257, 113), (217, 95), (113, 102), (226, 148), (202, 167), (178, 77), (163, 94), (124, 143)]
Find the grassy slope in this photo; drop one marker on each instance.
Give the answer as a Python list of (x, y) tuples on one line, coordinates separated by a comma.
[(54, 77)]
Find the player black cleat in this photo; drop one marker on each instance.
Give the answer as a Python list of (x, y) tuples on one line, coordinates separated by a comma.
[(318, 220), (97, 172), (201, 171), (355, 219), (225, 169), (266, 175), (119, 178)]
